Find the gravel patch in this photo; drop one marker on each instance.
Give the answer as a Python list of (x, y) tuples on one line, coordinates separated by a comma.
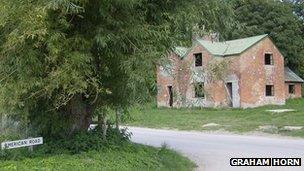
[(269, 129), (292, 128), (210, 125), (281, 110)]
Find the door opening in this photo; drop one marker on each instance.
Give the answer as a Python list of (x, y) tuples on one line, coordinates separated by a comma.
[(230, 94), (170, 96)]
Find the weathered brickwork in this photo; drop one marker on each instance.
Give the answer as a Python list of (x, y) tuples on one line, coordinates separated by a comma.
[(297, 90), (247, 77), (255, 75)]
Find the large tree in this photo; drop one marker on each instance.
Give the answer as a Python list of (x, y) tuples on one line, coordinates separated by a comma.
[(63, 59), (60, 57), (277, 19)]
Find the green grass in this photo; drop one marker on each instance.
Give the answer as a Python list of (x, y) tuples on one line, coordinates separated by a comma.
[(129, 157), (234, 120)]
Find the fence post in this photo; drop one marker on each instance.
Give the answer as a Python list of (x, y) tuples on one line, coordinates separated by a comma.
[(1, 124), (1, 131), (30, 148)]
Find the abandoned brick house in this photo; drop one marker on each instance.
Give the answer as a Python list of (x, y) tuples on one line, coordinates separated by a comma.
[(255, 75)]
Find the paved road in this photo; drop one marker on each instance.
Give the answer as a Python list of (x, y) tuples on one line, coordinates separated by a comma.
[(212, 152)]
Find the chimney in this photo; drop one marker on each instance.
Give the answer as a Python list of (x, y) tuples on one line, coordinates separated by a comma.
[(195, 37), (213, 37)]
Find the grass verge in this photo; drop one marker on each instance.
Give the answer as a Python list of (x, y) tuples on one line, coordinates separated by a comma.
[(233, 120), (128, 157)]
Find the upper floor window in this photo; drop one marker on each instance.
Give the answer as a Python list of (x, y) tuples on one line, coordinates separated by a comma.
[(269, 90), (268, 59), (199, 90), (291, 89), (198, 59)]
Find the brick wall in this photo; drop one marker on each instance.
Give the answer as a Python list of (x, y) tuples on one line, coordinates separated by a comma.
[(297, 92), (182, 78), (255, 75)]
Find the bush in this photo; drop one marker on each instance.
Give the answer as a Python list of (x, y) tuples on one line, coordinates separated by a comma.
[(129, 156), (78, 143), (11, 126)]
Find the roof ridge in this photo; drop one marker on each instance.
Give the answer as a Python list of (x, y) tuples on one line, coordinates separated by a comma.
[(232, 47), (224, 48), (227, 41), (262, 36)]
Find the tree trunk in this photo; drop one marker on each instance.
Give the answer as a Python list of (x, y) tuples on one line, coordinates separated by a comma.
[(102, 123), (104, 128), (117, 121), (80, 114), (2, 124)]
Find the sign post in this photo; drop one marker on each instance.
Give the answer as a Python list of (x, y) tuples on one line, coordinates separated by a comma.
[(30, 142)]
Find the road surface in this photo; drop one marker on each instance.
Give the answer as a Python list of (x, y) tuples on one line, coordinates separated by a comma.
[(212, 152)]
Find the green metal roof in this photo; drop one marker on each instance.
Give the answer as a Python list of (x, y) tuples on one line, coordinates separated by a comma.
[(231, 47), (215, 48), (225, 48), (290, 76)]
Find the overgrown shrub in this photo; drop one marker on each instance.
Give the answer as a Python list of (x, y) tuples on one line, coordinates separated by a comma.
[(11, 126), (78, 143)]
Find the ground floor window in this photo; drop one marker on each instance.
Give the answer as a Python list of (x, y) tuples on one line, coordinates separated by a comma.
[(199, 90), (269, 90), (291, 89)]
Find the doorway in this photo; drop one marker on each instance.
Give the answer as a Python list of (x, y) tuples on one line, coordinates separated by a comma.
[(230, 94), (170, 90)]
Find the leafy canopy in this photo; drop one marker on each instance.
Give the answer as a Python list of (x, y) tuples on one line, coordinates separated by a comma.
[(277, 19), (62, 59)]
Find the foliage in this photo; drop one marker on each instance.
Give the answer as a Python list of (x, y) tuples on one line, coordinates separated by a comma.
[(65, 57), (62, 59), (81, 142), (126, 157), (277, 19), (200, 17), (217, 70), (234, 120), (219, 17), (298, 6), (8, 126)]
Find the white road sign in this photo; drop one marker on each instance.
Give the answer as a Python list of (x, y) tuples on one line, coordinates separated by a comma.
[(22, 143)]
